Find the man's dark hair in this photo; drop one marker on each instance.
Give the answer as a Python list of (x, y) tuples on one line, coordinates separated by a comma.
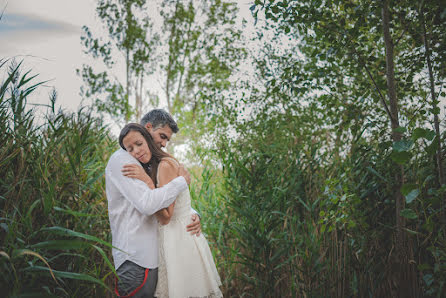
[(159, 118)]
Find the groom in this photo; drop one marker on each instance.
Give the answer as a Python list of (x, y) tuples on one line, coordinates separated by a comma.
[(131, 208)]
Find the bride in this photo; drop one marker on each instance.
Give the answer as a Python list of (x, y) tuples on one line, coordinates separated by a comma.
[(186, 267)]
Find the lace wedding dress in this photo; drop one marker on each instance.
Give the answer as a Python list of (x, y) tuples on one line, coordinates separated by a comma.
[(186, 267)]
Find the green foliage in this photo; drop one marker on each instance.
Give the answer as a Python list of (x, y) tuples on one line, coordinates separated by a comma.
[(53, 217), (267, 189), (204, 52), (298, 170), (128, 28), (320, 104)]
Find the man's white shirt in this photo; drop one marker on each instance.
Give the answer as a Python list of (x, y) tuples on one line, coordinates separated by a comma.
[(131, 208)]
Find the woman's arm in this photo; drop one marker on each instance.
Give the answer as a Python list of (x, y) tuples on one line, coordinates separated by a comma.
[(167, 171), (136, 171)]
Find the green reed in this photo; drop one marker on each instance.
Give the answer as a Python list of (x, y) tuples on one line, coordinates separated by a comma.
[(301, 221), (285, 217), (55, 235)]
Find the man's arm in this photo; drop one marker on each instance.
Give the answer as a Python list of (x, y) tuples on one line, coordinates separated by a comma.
[(144, 199)]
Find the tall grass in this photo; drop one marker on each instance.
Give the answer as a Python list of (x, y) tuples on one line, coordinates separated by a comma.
[(285, 216), (294, 219), (54, 224)]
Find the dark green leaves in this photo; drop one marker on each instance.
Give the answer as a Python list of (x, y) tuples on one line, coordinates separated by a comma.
[(410, 192), (60, 244), (69, 275), (401, 157), (402, 146), (400, 129), (408, 213), (423, 133), (401, 151), (68, 232), (52, 161)]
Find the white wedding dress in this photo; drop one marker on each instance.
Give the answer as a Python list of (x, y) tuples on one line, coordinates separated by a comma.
[(186, 267)]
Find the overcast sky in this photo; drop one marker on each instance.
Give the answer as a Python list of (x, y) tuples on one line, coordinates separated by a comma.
[(46, 34)]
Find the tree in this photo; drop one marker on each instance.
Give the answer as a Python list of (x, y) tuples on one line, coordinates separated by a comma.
[(204, 51), (436, 37), (130, 41), (357, 55)]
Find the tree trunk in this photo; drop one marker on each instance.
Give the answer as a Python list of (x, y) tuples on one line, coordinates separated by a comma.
[(406, 280), (170, 62), (138, 98), (439, 161), (183, 62), (127, 61)]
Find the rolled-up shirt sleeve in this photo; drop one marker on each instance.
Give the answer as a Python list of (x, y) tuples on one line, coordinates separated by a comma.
[(144, 199)]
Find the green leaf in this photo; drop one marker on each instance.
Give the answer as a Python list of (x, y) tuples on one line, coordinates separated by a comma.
[(408, 213), (70, 275), (403, 145), (412, 196), (35, 294), (74, 213), (411, 231), (428, 279), (5, 227), (31, 208), (400, 129), (432, 192), (401, 157), (107, 261), (424, 266), (68, 232), (410, 192), (22, 252), (373, 171), (61, 244), (428, 178), (423, 133), (407, 188), (435, 111), (432, 148)]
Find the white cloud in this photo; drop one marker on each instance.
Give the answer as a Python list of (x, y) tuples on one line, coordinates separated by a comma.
[(19, 30), (46, 35)]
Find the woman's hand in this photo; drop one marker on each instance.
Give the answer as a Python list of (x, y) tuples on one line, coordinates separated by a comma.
[(136, 171), (163, 216)]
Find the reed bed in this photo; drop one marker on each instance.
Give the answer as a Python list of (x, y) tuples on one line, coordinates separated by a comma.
[(55, 235), (284, 217)]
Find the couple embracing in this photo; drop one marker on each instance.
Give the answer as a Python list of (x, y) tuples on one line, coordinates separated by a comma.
[(158, 248)]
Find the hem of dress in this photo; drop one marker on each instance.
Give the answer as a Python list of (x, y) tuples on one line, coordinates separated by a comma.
[(213, 294)]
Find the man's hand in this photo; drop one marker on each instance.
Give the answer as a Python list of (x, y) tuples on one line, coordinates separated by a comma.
[(183, 172), (195, 227)]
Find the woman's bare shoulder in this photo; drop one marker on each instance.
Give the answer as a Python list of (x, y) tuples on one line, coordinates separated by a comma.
[(168, 165)]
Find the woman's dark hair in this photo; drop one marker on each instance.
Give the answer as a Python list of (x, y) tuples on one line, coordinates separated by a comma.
[(151, 167)]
